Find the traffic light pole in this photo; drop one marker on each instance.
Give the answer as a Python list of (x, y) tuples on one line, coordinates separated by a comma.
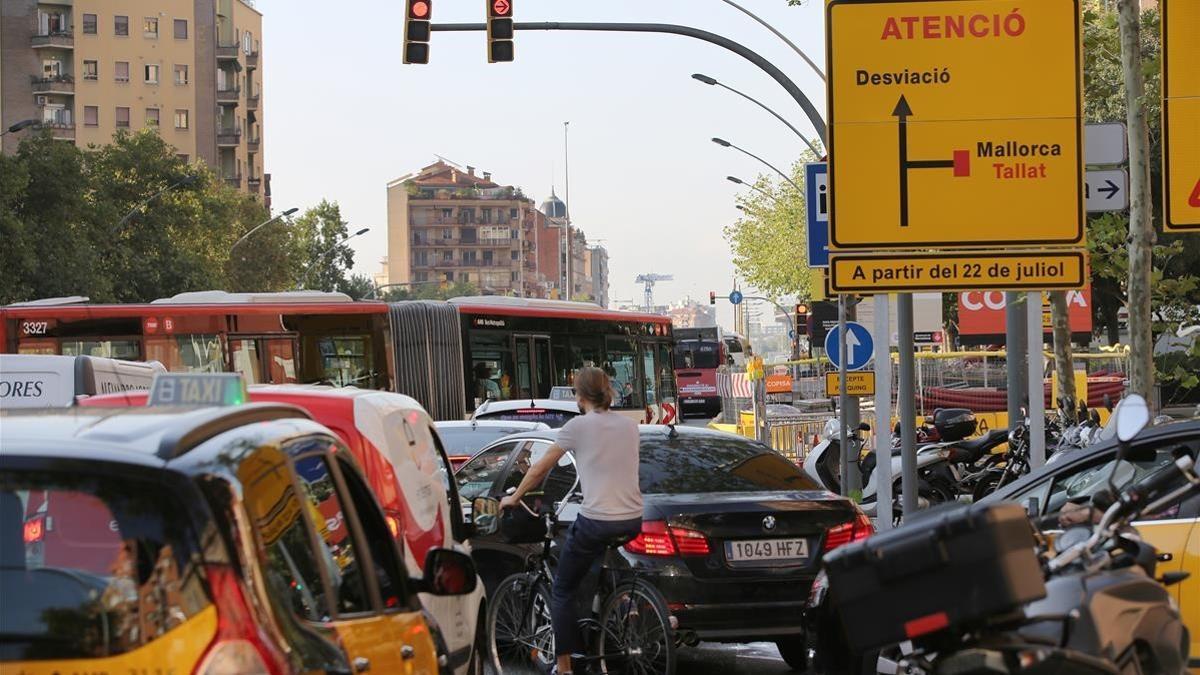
[(766, 66)]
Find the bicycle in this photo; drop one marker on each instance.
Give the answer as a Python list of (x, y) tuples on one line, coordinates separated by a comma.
[(628, 630)]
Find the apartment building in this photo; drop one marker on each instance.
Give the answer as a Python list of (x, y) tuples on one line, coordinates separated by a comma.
[(597, 264), (448, 224), (189, 68)]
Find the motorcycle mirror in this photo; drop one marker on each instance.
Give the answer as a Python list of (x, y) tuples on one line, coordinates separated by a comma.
[(1095, 416), (1133, 414), (864, 427)]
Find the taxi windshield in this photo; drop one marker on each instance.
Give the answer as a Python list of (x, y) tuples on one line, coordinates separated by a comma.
[(91, 567)]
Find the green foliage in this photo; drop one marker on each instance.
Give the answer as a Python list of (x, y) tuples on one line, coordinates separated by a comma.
[(769, 243), (430, 291), (129, 222), (358, 287), (326, 257)]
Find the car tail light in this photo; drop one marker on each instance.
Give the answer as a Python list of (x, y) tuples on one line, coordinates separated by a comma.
[(35, 529), (239, 645), (856, 530), (659, 539)]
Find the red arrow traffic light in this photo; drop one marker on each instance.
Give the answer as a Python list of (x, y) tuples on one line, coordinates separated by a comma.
[(501, 8), (500, 30)]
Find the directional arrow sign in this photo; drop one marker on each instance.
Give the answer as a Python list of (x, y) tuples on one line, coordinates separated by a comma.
[(1181, 114), (859, 346), (1107, 190), (501, 7), (954, 123)]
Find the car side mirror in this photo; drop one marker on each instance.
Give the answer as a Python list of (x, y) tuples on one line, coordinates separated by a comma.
[(448, 572), (1032, 507), (485, 515)]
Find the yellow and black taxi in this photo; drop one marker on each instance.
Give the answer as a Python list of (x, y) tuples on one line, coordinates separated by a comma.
[(239, 539)]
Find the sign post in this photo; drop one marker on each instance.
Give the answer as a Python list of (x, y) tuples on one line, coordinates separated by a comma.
[(883, 417)]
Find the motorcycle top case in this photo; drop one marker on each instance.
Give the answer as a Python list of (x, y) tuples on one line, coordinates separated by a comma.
[(947, 570), (954, 424)]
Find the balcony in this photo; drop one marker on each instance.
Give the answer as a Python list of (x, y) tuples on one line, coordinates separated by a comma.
[(55, 84), (253, 143), (60, 130), (227, 138), (254, 182), (252, 59), (229, 95), (234, 180), (227, 52), (59, 39)]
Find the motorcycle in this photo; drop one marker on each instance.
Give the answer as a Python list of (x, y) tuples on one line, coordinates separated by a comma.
[(1099, 606), (823, 465)]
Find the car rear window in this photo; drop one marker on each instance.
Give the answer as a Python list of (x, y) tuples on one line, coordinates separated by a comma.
[(697, 463), (552, 418), (91, 567), (460, 441)]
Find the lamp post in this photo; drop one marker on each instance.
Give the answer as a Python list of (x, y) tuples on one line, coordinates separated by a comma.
[(186, 180), (23, 124), (779, 35), (700, 77), (258, 227), (738, 181), (308, 270), (726, 144)]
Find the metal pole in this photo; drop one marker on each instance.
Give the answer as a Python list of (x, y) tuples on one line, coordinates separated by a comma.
[(763, 64), (781, 36), (843, 397), (883, 416), (570, 286), (1037, 391), (1014, 339), (906, 401)]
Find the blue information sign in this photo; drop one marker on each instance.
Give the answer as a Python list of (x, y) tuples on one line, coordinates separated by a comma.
[(816, 189), (735, 298)]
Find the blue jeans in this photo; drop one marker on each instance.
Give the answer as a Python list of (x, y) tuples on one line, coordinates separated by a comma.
[(585, 545)]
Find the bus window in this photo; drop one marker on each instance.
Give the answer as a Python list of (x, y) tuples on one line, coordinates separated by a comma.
[(621, 366), (187, 353), (127, 349), (648, 367), (281, 361), (491, 361), (246, 360), (666, 374), (524, 370), (346, 361), (691, 354), (541, 360), (37, 347)]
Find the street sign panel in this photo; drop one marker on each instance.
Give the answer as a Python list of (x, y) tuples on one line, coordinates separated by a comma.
[(1107, 190), (735, 297), (1181, 114), (954, 123), (1105, 143), (950, 271), (860, 348), (927, 337), (816, 204), (822, 318), (858, 383)]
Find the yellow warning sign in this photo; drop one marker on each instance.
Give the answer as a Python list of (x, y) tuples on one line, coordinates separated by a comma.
[(1181, 114), (1062, 269), (858, 383)]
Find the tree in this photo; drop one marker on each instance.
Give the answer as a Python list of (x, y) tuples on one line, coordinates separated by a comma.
[(358, 287), (327, 258), (430, 291)]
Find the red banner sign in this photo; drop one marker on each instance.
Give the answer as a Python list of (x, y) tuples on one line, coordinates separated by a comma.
[(982, 312)]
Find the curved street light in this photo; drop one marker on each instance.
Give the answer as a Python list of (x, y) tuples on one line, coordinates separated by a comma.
[(15, 127), (726, 144), (700, 77), (738, 181), (308, 270), (261, 225), (186, 180), (779, 35)]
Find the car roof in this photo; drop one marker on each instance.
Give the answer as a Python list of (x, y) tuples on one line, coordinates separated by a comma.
[(1185, 431), (645, 431), (491, 406), (491, 424), (123, 434)]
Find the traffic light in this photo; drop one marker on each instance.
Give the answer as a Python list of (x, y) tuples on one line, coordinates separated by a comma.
[(416, 31), (500, 30), (801, 319), (712, 297)]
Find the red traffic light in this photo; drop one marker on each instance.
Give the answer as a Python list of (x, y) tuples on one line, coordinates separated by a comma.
[(712, 297), (802, 308), (418, 9), (500, 8)]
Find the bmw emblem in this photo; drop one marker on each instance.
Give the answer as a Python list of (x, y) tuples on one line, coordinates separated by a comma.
[(769, 523)]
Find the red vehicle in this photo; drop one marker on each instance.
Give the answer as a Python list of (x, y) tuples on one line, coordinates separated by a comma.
[(699, 354), (447, 355)]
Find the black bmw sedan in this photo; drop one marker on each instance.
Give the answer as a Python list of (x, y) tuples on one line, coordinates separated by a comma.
[(732, 532)]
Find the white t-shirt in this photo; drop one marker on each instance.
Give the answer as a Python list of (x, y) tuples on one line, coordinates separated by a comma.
[(605, 445)]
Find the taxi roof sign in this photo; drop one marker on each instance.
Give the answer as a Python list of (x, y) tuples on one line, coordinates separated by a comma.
[(954, 123), (197, 389)]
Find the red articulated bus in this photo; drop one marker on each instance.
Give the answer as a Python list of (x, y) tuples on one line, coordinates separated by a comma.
[(449, 356)]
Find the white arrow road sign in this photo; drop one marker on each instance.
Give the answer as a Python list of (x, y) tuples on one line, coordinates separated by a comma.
[(1107, 190)]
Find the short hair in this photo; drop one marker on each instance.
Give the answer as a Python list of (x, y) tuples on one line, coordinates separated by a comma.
[(593, 386)]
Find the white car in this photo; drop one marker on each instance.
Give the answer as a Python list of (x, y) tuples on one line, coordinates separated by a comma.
[(50, 381), (552, 413)]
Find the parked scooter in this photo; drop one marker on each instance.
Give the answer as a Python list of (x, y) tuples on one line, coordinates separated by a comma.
[(823, 465), (976, 591)]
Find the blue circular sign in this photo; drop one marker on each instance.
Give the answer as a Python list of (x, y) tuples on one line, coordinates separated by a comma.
[(735, 297), (860, 347)]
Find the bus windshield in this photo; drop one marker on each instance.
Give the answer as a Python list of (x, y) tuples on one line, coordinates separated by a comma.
[(691, 354)]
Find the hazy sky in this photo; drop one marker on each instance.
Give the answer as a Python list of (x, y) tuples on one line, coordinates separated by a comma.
[(344, 116)]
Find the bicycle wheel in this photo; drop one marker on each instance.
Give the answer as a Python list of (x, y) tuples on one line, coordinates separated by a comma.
[(518, 624), (636, 638)]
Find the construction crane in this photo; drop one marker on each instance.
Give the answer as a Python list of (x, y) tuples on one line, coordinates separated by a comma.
[(649, 280)]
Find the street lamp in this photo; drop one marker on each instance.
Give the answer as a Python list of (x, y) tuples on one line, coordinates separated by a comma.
[(738, 181), (700, 77), (186, 180), (726, 144), (258, 227), (308, 270), (779, 35), (23, 124)]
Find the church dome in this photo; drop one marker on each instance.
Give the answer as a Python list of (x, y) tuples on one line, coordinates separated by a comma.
[(554, 207)]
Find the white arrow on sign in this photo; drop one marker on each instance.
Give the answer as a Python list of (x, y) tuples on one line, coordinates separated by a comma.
[(852, 345), (1107, 190)]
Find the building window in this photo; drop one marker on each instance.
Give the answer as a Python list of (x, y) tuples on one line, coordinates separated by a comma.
[(512, 213), (89, 24), (180, 29), (447, 256), (151, 73), (152, 117), (247, 42), (123, 117), (181, 119), (150, 27), (514, 255), (121, 26), (121, 72), (448, 233), (183, 158), (91, 70), (181, 73), (91, 116)]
